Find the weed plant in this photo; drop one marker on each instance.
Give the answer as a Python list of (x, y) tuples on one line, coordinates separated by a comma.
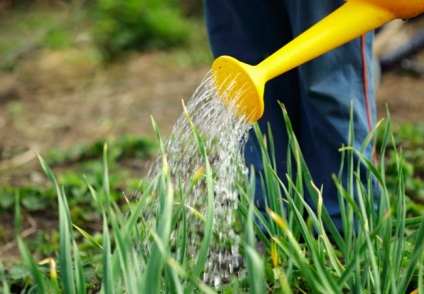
[(384, 254), (78, 160), (409, 137)]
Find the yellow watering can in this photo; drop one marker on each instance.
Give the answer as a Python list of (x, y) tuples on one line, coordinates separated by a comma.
[(243, 85)]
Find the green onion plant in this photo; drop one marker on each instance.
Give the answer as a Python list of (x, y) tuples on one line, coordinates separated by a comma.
[(381, 254)]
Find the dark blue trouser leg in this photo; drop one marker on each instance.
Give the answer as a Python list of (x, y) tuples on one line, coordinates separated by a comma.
[(250, 31), (317, 95), (328, 85)]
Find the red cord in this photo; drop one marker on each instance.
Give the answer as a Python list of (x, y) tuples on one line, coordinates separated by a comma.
[(364, 72), (366, 96)]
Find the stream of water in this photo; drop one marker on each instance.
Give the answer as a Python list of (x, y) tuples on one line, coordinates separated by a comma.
[(223, 135)]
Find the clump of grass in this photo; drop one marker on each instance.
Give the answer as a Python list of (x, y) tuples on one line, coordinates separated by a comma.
[(384, 254), (133, 260), (409, 137)]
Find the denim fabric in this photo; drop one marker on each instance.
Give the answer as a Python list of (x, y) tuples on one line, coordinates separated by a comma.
[(317, 95)]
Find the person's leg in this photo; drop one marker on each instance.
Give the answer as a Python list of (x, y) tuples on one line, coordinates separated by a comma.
[(250, 31), (329, 84)]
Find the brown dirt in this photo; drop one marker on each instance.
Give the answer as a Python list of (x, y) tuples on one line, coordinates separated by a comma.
[(404, 95), (402, 92), (58, 99), (53, 102)]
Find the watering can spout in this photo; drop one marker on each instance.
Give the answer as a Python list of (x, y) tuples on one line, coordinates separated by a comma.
[(242, 86)]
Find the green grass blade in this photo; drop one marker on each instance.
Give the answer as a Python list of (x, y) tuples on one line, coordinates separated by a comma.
[(88, 236), (3, 280), (95, 196), (372, 135), (65, 233), (177, 270), (307, 178), (399, 234), (32, 265), (308, 235), (296, 254), (157, 133), (421, 279), (183, 231), (369, 164), (242, 211), (208, 230), (80, 281), (324, 277), (123, 265), (255, 265), (122, 254), (173, 282), (256, 270), (40, 282), (106, 185), (410, 221), (17, 216), (65, 249), (153, 271), (417, 256), (137, 226), (107, 278), (124, 249), (386, 136), (249, 234), (367, 236), (349, 271)]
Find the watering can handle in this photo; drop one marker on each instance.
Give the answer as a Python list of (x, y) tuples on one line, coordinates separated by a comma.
[(351, 20)]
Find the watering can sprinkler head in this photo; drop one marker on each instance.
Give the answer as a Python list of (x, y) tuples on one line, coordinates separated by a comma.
[(241, 86)]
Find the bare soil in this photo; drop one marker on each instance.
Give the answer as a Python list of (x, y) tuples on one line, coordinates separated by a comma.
[(53, 102), (404, 95)]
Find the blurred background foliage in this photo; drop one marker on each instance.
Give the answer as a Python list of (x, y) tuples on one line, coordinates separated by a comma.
[(138, 25), (114, 27)]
